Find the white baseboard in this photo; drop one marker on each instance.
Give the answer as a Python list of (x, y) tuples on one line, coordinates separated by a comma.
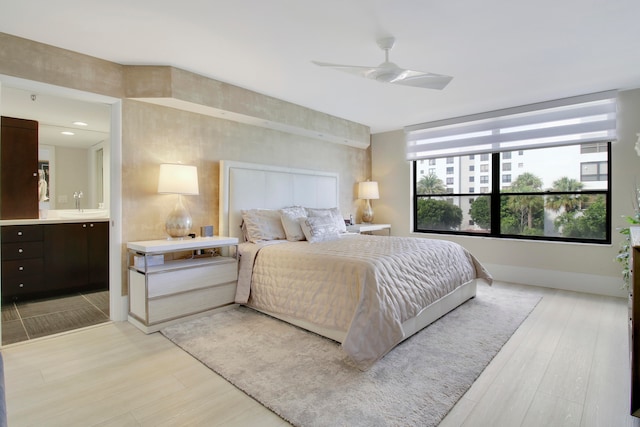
[(578, 282)]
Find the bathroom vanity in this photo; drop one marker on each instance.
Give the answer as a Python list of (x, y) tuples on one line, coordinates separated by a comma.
[(53, 256)]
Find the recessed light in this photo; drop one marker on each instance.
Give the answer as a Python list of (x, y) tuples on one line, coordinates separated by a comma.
[(66, 132), (80, 124)]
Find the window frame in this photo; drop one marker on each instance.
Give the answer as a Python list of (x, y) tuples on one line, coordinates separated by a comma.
[(495, 202)]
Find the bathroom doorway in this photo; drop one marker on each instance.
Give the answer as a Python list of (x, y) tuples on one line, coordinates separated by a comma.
[(33, 318)]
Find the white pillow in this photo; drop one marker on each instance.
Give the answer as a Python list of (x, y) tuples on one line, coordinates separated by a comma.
[(263, 224), (319, 228), (333, 213), (291, 224)]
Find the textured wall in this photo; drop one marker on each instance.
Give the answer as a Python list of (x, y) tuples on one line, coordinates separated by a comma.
[(155, 134)]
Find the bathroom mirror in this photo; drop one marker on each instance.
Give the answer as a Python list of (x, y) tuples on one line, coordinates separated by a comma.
[(73, 149)]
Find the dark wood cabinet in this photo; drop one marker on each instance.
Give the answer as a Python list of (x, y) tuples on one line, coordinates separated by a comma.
[(18, 169), (634, 322), (76, 255), (22, 260), (49, 259)]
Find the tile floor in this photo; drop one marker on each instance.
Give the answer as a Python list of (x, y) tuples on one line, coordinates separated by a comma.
[(27, 320)]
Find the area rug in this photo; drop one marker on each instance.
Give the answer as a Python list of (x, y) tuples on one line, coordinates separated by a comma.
[(307, 380)]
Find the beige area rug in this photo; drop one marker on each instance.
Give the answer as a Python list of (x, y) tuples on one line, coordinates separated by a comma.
[(306, 380)]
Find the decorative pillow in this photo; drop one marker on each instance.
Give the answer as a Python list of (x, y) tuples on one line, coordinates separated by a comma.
[(319, 228), (333, 213), (263, 224), (291, 224)]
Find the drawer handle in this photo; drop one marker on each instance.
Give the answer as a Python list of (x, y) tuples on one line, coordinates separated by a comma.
[(84, 225), (21, 268), (19, 233), (21, 285), (20, 251)]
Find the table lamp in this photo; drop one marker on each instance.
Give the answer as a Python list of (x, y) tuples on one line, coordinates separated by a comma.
[(181, 180), (368, 190)]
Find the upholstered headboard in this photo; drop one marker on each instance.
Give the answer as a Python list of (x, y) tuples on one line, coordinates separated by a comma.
[(249, 186)]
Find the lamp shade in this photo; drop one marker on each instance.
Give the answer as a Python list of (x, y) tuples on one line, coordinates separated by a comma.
[(178, 179), (368, 190)]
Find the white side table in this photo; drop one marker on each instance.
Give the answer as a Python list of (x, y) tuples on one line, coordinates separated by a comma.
[(368, 228), (174, 280)]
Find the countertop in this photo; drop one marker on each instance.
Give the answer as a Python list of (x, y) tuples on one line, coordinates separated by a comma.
[(64, 216)]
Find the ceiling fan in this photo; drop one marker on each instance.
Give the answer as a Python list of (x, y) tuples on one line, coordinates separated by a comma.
[(388, 72)]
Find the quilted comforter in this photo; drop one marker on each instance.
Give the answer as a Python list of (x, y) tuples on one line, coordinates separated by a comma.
[(364, 285)]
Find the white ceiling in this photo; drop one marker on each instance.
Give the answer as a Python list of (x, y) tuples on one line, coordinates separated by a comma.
[(502, 53)]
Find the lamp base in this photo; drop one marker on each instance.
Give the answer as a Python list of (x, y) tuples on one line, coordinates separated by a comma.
[(367, 212), (178, 223)]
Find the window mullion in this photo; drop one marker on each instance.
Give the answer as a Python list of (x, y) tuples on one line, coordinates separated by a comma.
[(495, 194)]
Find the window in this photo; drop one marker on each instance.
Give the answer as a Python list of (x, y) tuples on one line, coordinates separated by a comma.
[(472, 168), (554, 196), (593, 171), (421, 171), (484, 157), (471, 157), (506, 155), (432, 162), (506, 166), (450, 180), (432, 171), (484, 168), (449, 170), (449, 160), (593, 147)]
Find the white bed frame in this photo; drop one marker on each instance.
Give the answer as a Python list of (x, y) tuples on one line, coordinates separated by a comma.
[(249, 186)]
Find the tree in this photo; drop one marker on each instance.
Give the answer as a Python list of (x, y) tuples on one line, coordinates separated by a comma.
[(528, 208), (566, 202), (438, 215), (481, 212), (590, 224), (430, 184)]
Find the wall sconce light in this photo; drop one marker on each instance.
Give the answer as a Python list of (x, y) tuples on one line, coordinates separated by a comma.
[(181, 180), (368, 190)]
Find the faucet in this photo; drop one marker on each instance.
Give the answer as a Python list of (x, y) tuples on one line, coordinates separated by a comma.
[(77, 196)]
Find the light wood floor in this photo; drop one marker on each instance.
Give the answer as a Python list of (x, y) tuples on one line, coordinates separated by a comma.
[(567, 365)]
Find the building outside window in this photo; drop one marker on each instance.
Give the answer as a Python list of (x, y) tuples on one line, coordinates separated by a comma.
[(542, 200)]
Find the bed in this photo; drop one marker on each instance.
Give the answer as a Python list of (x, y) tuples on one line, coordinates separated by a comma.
[(369, 293)]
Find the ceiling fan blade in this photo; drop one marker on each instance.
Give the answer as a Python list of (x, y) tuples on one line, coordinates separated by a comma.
[(358, 70), (422, 80)]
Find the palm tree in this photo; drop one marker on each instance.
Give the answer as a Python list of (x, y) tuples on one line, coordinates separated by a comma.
[(526, 204), (430, 184), (568, 202)]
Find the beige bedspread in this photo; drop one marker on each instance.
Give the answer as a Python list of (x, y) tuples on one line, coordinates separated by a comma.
[(364, 285)]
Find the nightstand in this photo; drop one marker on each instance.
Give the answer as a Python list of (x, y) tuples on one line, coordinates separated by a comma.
[(174, 280), (368, 228)]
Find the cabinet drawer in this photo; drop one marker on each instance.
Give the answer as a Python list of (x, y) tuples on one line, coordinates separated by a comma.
[(21, 233), (23, 250), (22, 268), (179, 305), (170, 282), (12, 287)]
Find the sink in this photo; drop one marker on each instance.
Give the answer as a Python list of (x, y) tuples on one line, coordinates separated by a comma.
[(75, 214)]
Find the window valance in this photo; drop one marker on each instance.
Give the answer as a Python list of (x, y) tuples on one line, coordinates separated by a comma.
[(586, 118)]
